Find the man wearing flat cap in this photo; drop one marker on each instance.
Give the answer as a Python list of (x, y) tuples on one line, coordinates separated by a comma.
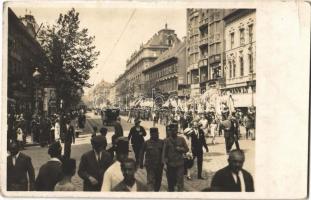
[(51, 172), (136, 135), (113, 176), (152, 154), (94, 164)]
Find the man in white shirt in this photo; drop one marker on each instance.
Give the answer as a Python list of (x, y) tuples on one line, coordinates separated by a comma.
[(129, 183), (20, 171), (233, 178), (113, 175)]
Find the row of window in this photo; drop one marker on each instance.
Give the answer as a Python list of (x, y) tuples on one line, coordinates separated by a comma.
[(163, 72), (232, 66), (242, 36), (168, 85)]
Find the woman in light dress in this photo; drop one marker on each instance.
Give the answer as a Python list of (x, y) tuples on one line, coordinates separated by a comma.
[(213, 129), (188, 157)]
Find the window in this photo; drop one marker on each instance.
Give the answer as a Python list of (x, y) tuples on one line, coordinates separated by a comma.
[(242, 39), (241, 66), (232, 40), (230, 70), (234, 69), (250, 33), (250, 60), (218, 50)]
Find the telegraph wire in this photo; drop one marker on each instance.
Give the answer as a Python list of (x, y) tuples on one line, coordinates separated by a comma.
[(116, 42)]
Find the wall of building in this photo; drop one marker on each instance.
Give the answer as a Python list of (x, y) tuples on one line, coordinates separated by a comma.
[(24, 55), (142, 59), (240, 73)]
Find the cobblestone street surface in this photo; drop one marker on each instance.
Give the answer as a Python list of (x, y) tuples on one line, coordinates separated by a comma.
[(214, 160)]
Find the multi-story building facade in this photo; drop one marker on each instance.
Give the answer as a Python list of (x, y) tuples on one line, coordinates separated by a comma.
[(193, 37), (25, 55), (205, 45), (167, 74), (240, 52), (141, 60)]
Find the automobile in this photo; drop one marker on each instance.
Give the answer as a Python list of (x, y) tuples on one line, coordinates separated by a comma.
[(109, 116)]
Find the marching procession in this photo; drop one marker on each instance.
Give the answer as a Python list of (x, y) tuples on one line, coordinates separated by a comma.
[(110, 167)]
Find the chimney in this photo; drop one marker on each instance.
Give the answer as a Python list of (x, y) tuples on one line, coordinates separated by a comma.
[(165, 25)]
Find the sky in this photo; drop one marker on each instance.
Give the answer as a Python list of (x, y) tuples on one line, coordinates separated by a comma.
[(118, 31)]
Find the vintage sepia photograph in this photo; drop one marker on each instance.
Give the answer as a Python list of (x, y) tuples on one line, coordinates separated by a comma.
[(130, 99)]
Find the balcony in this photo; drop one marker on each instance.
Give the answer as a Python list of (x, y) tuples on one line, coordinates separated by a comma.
[(203, 23), (203, 61), (215, 58), (203, 42)]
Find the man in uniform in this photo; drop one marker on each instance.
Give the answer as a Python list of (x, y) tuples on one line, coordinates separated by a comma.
[(152, 153), (173, 156)]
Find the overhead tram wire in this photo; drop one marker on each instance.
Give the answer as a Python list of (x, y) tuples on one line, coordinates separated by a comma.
[(117, 41)]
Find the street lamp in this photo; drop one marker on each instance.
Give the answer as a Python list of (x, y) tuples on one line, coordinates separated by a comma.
[(36, 76)]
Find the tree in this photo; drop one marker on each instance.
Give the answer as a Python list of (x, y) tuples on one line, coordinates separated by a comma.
[(72, 54)]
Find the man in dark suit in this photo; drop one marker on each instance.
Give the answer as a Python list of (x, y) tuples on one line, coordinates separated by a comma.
[(94, 164), (18, 166), (129, 183), (118, 130), (233, 178), (197, 143), (69, 138), (228, 127), (136, 135), (51, 172)]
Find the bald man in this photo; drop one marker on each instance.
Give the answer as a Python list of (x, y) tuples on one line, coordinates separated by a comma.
[(233, 178)]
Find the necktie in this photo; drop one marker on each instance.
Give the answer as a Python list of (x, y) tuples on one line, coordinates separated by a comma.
[(14, 160), (238, 182), (98, 157)]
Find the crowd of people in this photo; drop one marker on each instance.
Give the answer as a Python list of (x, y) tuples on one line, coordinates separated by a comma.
[(112, 169), (43, 129), (209, 121)]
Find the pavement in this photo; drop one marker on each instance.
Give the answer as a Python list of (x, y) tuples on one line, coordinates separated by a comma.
[(214, 160)]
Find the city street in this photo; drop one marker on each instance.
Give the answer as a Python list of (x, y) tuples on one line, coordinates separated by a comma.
[(214, 160)]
